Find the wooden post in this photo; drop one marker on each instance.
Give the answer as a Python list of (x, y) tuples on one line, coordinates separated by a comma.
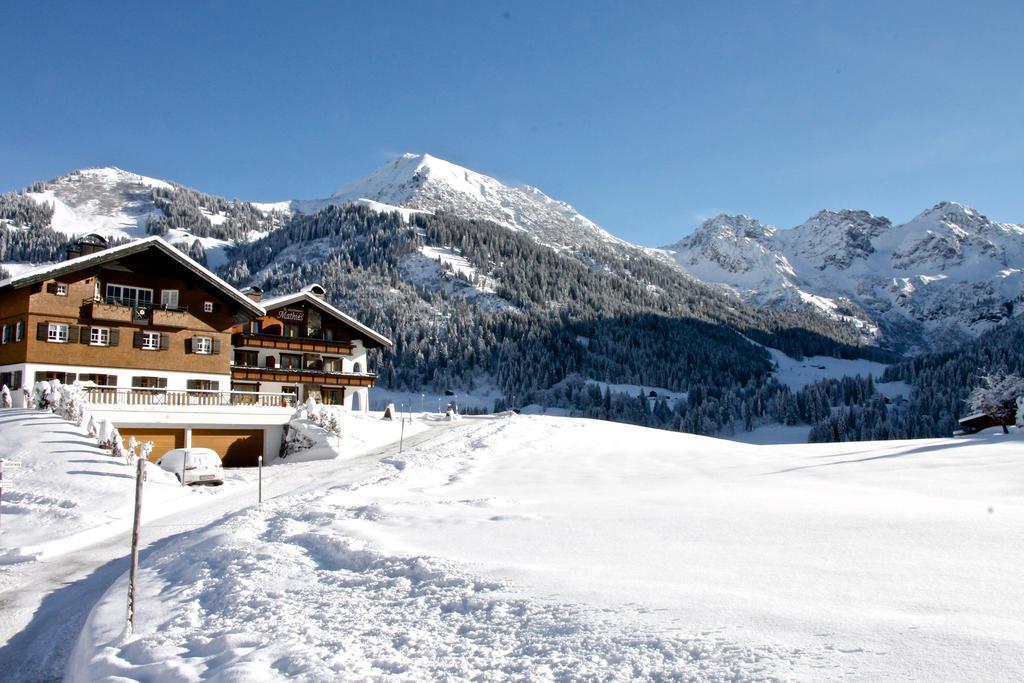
[(260, 461), (401, 439), (133, 571)]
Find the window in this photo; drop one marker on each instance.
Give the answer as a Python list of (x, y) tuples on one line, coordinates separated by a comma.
[(202, 345), (332, 396), (150, 384), (19, 330), (12, 380), (332, 364), (100, 380), (61, 290), (202, 385), (151, 341), (62, 377), (57, 333), (169, 299), (291, 361), (311, 361), (291, 329), (129, 296), (247, 359), (5, 336), (208, 307), (291, 390), (99, 336)]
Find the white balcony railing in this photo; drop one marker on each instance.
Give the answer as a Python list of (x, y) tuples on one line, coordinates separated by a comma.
[(190, 397)]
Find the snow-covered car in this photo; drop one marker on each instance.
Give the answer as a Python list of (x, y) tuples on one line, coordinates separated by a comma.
[(199, 465)]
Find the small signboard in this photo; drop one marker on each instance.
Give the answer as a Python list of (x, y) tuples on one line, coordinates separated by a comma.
[(290, 314)]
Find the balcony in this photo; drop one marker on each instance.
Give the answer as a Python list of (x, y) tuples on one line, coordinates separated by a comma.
[(314, 375), (113, 309), (273, 341), (191, 397)]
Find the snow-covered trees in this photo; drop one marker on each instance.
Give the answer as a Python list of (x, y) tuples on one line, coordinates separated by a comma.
[(5, 397), (997, 397)]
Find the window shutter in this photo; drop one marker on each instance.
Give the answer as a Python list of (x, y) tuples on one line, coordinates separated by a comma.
[(188, 345), (216, 346), (165, 342), (137, 340), (51, 287), (115, 337), (83, 336), (41, 331), (72, 334)]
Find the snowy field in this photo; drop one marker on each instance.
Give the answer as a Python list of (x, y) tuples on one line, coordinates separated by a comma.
[(538, 548)]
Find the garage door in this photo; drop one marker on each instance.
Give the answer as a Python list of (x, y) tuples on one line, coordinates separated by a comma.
[(163, 439), (236, 447)]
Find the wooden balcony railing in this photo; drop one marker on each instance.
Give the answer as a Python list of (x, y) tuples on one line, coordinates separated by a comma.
[(190, 397), (306, 344)]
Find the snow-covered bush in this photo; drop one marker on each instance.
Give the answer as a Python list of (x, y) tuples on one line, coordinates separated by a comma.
[(105, 433), (314, 426), (997, 397), (5, 397), (40, 398), (91, 426), (72, 403), (146, 449)]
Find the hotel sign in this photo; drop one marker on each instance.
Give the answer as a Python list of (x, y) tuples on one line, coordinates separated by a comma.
[(290, 314)]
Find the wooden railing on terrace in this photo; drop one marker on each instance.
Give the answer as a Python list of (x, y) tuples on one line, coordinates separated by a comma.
[(190, 397)]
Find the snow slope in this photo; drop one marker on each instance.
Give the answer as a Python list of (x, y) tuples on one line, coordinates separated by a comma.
[(946, 275), (546, 548)]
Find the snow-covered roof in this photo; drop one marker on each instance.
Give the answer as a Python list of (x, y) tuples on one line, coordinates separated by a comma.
[(72, 265), (307, 296)]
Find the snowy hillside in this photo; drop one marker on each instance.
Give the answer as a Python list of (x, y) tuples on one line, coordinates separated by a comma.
[(554, 549), (944, 276)]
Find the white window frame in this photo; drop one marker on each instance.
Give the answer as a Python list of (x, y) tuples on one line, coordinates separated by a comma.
[(57, 333), (6, 335), (207, 307), (164, 298), (150, 341), (127, 293), (19, 330), (99, 336), (62, 289), (202, 345)]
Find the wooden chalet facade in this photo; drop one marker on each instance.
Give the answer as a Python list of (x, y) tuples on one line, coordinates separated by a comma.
[(305, 347), (141, 315)]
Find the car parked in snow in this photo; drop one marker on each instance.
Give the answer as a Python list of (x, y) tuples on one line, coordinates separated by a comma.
[(197, 465)]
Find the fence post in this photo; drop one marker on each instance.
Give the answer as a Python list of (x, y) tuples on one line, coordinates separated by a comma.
[(260, 461), (133, 571)]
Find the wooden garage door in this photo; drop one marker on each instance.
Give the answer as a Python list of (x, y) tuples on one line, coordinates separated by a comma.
[(236, 447), (163, 438)]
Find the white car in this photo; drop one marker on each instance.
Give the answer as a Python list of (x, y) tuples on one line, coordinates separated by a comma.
[(199, 465)]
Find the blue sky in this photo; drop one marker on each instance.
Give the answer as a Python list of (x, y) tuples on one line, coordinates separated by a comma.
[(645, 116)]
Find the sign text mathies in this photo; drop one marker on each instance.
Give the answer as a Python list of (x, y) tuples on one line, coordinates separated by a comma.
[(291, 314)]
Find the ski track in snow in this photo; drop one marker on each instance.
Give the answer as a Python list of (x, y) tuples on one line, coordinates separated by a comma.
[(290, 592)]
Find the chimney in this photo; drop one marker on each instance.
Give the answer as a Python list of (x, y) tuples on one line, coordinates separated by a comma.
[(254, 293), (90, 244), (316, 290)]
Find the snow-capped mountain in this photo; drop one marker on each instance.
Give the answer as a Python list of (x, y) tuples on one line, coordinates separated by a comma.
[(949, 273), (424, 182)]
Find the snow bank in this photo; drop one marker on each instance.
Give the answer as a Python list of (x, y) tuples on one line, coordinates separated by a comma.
[(68, 491), (319, 432)]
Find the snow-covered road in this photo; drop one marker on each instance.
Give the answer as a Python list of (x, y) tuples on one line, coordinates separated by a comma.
[(44, 603)]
